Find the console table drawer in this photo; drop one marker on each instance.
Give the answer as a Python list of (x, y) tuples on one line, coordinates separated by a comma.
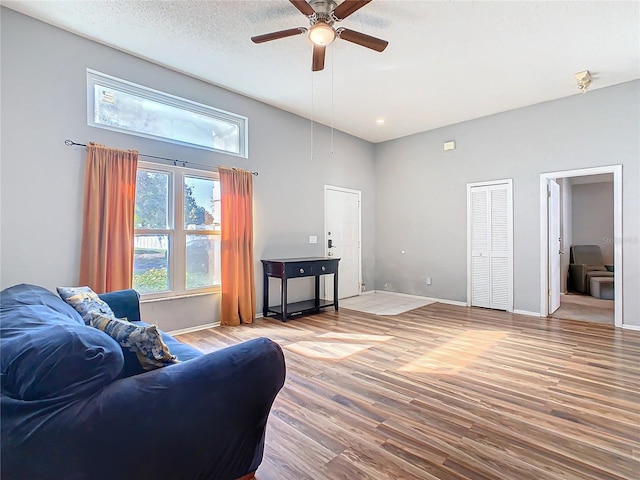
[(300, 269), (324, 267)]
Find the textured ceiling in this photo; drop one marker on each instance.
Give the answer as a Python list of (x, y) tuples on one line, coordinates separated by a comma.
[(446, 62)]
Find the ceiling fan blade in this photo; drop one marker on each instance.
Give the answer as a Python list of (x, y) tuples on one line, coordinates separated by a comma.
[(362, 39), (267, 37), (348, 7), (304, 7), (318, 58)]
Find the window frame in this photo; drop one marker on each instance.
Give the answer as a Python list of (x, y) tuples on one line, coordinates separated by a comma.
[(176, 231), (97, 78)]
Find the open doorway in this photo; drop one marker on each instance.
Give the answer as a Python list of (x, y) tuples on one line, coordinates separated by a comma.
[(588, 224)]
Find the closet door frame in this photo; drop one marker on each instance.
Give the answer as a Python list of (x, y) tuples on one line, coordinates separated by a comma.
[(508, 184)]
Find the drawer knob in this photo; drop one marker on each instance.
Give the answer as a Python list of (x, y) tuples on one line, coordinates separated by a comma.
[(323, 269), (302, 270)]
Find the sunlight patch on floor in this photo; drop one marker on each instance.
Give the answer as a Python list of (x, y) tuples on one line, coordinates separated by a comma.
[(356, 336), (327, 351), (456, 354), (336, 345)]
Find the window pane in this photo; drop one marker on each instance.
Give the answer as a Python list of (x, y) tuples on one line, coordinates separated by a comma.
[(201, 204), (152, 200), (151, 263), (203, 261), (135, 113)]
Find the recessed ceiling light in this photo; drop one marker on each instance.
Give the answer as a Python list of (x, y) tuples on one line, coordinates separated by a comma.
[(380, 121)]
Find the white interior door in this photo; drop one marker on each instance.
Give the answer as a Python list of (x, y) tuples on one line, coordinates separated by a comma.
[(342, 239), (553, 199), (490, 238)]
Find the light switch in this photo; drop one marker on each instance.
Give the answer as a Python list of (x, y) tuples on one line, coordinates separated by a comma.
[(313, 239)]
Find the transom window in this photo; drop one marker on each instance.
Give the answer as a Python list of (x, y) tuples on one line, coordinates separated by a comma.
[(126, 107), (177, 231)]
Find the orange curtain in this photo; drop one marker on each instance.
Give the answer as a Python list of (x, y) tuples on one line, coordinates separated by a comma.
[(106, 262), (238, 284)]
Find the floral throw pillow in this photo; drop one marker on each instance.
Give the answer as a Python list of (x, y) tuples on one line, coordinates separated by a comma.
[(145, 341), (84, 300)]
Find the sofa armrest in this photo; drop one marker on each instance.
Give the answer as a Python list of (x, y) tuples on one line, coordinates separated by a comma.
[(201, 419), (207, 414), (124, 303)]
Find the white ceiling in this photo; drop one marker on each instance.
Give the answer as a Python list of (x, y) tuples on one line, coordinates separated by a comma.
[(446, 62)]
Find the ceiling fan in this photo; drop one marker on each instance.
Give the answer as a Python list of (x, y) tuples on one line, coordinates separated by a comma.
[(322, 15)]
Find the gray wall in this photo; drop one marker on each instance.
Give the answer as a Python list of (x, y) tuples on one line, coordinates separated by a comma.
[(421, 190), (592, 217), (44, 102), (414, 193)]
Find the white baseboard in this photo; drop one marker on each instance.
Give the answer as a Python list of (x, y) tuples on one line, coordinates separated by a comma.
[(631, 327), (419, 297), (200, 327), (526, 312), (196, 328), (448, 302)]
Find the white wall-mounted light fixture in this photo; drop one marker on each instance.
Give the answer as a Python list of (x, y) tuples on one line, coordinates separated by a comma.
[(584, 80), (322, 34)]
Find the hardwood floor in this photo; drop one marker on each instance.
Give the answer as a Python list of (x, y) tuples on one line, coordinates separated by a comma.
[(446, 392)]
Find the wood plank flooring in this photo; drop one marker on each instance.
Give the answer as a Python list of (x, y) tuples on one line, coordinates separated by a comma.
[(446, 392)]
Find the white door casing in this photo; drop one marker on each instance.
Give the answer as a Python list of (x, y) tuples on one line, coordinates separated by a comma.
[(616, 170), (490, 245), (342, 228), (553, 202)]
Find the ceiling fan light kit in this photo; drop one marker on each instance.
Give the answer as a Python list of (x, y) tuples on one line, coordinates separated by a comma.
[(322, 15), (322, 34)]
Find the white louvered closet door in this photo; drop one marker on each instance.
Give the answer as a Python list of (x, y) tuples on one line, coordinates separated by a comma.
[(491, 247), (480, 275)]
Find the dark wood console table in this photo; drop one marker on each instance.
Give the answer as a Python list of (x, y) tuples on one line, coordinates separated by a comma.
[(287, 268)]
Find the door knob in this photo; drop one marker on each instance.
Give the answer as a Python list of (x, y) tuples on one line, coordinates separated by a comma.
[(330, 244)]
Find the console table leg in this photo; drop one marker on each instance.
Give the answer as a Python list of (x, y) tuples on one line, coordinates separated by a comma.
[(265, 296), (335, 290), (284, 298)]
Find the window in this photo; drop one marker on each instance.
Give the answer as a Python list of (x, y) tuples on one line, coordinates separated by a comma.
[(126, 107), (177, 231)]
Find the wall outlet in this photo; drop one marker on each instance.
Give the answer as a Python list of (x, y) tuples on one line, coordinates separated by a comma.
[(428, 280), (313, 239)]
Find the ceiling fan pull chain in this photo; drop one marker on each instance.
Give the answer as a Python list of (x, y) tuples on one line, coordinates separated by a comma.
[(312, 116), (333, 51)]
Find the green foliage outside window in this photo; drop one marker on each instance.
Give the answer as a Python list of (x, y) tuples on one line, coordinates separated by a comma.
[(156, 280), (151, 281)]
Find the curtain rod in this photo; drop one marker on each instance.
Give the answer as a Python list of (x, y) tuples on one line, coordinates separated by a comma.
[(70, 143)]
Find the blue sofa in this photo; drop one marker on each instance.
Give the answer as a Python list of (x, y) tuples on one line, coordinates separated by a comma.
[(76, 406)]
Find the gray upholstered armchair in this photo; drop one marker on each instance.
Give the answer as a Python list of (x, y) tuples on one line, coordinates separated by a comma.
[(586, 262)]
